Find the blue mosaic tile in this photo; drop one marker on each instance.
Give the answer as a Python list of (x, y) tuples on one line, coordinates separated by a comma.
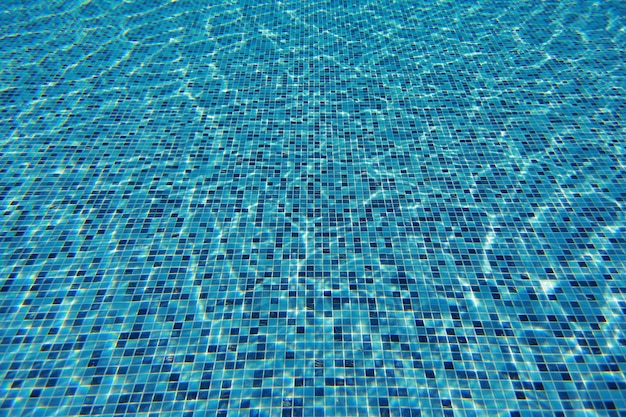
[(283, 208)]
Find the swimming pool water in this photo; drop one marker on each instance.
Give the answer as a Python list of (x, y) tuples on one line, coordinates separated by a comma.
[(323, 208)]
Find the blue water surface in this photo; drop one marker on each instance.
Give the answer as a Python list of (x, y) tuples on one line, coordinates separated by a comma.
[(320, 208)]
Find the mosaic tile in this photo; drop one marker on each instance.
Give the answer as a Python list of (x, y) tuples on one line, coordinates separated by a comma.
[(282, 208)]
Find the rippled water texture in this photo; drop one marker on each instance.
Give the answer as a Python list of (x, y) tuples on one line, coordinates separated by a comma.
[(288, 208)]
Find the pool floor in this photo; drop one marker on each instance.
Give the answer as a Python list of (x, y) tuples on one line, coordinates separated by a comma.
[(324, 208)]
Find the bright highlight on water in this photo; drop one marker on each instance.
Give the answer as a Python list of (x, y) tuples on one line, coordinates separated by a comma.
[(326, 208)]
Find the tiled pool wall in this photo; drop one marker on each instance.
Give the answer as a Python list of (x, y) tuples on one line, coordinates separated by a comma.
[(285, 208)]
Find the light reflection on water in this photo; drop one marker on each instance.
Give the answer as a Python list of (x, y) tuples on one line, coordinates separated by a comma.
[(312, 209)]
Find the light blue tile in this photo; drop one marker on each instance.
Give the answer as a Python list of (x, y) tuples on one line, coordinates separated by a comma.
[(284, 208)]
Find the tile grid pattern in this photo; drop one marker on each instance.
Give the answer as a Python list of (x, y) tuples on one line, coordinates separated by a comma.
[(287, 209)]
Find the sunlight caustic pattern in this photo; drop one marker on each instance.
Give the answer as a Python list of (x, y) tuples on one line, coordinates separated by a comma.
[(323, 208)]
